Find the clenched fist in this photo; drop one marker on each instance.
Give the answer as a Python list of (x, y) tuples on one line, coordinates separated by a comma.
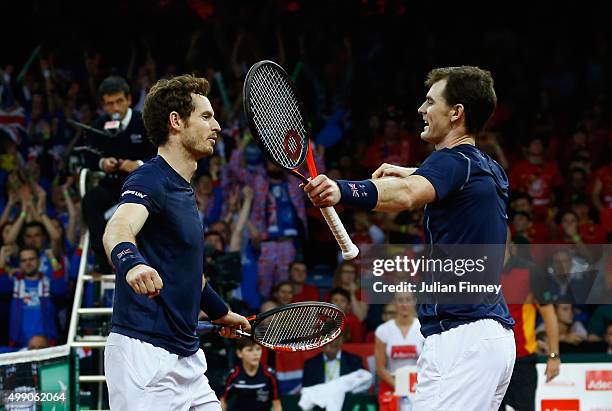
[(144, 280)]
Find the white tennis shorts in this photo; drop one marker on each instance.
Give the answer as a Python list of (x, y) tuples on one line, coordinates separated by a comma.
[(465, 368), (141, 376)]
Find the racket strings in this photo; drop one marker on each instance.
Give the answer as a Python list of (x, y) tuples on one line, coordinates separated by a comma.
[(276, 113), (300, 329)]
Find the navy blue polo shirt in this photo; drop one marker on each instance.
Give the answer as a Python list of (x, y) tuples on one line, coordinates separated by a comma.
[(171, 241), (470, 208)]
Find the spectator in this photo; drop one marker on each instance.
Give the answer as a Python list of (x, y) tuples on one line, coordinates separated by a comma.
[(282, 294), (342, 299), (389, 312), (601, 317), (570, 279), (364, 231), (576, 185), (392, 145), (119, 156), (279, 213), (398, 342), (601, 194), (590, 232), (332, 363), (298, 273), (570, 331), (537, 177), (37, 342), (250, 386), (208, 199), (32, 310), (569, 233), (34, 235), (608, 337), (347, 278)]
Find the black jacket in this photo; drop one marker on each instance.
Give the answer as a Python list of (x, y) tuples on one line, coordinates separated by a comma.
[(314, 368), (131, 144)]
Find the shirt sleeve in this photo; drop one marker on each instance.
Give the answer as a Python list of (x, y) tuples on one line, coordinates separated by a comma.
[(144, 188), (380, 332), (447, 171)]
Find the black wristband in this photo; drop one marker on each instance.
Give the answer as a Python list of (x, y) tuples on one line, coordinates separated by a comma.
[(125, 256), (212, 304), (360, 194)]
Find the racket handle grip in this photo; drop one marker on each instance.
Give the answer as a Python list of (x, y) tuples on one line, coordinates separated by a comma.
[(205, 327), (349, 249)]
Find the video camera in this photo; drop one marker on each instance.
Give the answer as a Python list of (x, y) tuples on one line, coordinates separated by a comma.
[(223, 268)]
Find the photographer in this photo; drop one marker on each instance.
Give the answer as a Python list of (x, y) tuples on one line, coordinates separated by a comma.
[(121, 152)]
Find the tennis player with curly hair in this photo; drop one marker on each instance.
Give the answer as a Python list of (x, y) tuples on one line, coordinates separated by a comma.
[(155, 242)]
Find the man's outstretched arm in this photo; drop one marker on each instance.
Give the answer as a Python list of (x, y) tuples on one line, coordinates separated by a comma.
[(386, 193)]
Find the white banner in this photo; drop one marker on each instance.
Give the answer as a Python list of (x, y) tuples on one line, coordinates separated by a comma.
[(579, 387)]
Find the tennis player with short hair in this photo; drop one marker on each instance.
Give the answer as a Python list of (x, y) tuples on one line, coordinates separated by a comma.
[(469, 350), (152, 358)]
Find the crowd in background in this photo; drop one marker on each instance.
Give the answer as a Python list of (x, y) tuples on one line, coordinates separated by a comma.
[(361, 81)]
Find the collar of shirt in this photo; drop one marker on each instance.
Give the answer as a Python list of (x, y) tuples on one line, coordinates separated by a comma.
[(332, 367), (126, 120)]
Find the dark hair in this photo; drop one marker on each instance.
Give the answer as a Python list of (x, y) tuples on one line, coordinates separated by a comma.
[(215, 234), (470, 86), (340, 291), (22, 249), (30, 225), (166, 96), (294, 262), (564, 212), (518, 195), (242, 343), (523, 213), (112, 85), (276, 287)]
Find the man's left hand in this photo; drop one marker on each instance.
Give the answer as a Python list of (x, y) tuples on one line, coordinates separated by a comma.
[(233, 322), (128, 165)]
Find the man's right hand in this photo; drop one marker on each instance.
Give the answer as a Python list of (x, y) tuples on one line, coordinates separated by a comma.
[(144, 280), (322, 191), (109, 164)]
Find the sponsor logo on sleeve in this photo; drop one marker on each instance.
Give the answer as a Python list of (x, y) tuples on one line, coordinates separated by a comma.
[(134, 193)]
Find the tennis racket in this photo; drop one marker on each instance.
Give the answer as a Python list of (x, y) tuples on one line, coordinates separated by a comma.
[(301, 326), (276, 120)]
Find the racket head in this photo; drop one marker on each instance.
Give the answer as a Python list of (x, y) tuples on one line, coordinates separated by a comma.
[(302, 326), (275, 114)]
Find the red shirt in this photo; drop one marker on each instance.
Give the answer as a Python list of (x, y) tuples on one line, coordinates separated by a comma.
[(355, 328), (592, 233), (516, 288), (309, 293), (536, 180), (604, 174), (537, 233), (381, 151)]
